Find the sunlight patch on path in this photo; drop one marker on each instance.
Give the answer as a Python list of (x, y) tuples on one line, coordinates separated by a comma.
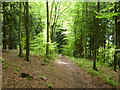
[(61, 62)]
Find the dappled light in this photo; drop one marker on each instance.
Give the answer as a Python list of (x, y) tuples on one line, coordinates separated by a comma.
[(54, 44)]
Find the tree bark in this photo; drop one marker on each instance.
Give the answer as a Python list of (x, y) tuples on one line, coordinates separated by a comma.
[(19, 32), (119, 43), (81, 37), (119, 32), (27, 32), (3, 27), (48, 24), (104, 42), (115, 37), (95, 36), (10, 32), (85, 56), (75, 50), (54, 23)]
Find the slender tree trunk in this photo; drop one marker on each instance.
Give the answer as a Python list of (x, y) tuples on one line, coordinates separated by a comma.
[(81, 37), (81, 48), (52, 31), (90, 53), (95, 36), (52, 26), (48, 24), (3, 27), (54, 23), (10, 32), (19, 32), (119, 43), (75, 50), (119, 32), (116, 37), (27, 32), (104, 42), (85, 56)]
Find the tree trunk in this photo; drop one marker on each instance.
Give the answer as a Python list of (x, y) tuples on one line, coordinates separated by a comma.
[(119, 43), (10, 33), (75, 50), (85, 56), (3, 27), (81, 48), (95, 36), (54, 23), (104, 42), (52, 31), (27, 32), (119, 32), (47, 46), (115, 37), (19, 32), (81, 37)]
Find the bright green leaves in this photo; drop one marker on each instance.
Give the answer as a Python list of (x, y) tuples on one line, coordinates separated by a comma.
[(107, 15)]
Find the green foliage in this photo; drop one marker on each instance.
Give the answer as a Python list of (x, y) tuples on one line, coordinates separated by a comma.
[(87, 66), (42, 76), (29, 78), (108, 81), (16, 68), (38, 45), (109, 54), (51, 67), (5, 63), (107, 15), (50, 85)]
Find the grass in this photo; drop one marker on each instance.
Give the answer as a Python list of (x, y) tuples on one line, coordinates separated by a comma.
[(101, 72)]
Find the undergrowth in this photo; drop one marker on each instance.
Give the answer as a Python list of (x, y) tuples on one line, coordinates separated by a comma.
[(4, 63), (101, 70)]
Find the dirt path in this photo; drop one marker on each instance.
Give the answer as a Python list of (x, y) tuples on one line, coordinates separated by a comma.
[(74, 76), (62, 74)]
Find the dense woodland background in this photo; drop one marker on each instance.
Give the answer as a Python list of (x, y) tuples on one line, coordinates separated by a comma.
[(83, 30)]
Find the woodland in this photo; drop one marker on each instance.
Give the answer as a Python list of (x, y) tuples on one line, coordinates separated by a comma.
[(52, 44)]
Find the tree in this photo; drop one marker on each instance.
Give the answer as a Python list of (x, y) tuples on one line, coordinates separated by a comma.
[(19, 32), (81, 36), (54, 18), (115, 37), (85, 56), (11, 29), (27, 32), (48, 24), (3, 27), (119, 33), (95, 36), (75, 50), (119, 43)]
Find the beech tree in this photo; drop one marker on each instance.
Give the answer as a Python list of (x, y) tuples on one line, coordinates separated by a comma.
[(95, 36), (48, 24), (86, 30), (19, 32), (27, 32), (115, 37), (11, 29), (3, 27)]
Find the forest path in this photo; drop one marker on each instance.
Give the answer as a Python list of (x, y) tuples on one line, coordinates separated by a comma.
[(74, 76), (63, 73)]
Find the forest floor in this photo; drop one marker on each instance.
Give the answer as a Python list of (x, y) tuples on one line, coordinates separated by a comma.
[(63, 73)]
